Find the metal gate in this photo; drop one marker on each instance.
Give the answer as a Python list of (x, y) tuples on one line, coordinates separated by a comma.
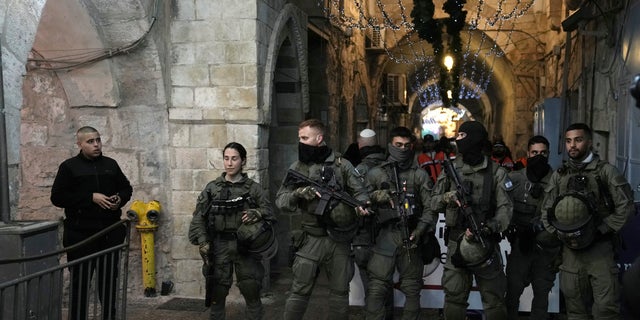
[(48, 294)]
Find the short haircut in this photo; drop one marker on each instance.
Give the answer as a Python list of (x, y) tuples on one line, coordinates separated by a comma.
[(85, 129), (580, 126), (401, 132), (238, 147), (538, 139), (313, 123)]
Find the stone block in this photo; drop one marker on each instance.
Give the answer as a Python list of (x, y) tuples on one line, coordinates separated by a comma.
[(181, 224), (33, 134), (188, 158), (209, 136), (209, 10), (203, 177), (191, 31), (182, 179), (184, 202), (189, 76), (239, 9), (227, 75), (250, 75), (184, 114), (241, 52), (206, 98), (179, 135), (247, 135), (183, 54), (181, 248), (209, 53), (190, 269), (193, 288), (186, 9), (182, 97), (244, 115), (152, 166), (128, 161), (216, 114)]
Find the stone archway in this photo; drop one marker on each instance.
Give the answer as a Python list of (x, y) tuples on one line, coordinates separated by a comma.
[(286, 96)]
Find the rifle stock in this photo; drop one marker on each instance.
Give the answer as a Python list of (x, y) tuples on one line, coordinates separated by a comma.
[(298, 179), (464, 196)]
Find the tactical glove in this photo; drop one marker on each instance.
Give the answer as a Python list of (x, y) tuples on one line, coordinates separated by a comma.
[(308, 193), (251, 216), (204, 251), (380, 196), (450, 197)]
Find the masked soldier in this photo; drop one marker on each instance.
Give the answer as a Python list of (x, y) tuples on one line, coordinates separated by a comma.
[(473, 253), (587, 202), (401, 196), (324, 239), (534, 251), (232, 225)]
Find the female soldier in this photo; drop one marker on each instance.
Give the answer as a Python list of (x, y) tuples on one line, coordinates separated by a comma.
[(232, 225)]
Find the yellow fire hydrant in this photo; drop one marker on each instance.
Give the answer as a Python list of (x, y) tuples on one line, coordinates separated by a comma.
[(146, 216)]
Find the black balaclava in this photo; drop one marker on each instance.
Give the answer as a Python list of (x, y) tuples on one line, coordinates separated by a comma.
[(471, 146), (311, 154), (403, 156), (537, 167)]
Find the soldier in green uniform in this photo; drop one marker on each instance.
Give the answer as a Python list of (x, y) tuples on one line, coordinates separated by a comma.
[(323, 240), (587, 201), (491, 207), (232, 215), (398, 184), (534, 251)]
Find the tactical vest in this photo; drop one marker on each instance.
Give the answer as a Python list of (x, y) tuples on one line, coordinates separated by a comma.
[(339, 220), (482, 191), (228, 201), (583, 201), (527, 197), (409, 190)]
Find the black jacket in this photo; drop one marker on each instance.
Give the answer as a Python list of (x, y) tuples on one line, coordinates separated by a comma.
[(76, 181)]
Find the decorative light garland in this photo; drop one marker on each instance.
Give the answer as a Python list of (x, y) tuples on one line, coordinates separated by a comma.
[(407, 50)]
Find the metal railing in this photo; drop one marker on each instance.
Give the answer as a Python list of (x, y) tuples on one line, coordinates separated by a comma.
[(100, 280)]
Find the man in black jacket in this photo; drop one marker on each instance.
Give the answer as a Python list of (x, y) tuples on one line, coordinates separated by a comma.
[(92, 190)]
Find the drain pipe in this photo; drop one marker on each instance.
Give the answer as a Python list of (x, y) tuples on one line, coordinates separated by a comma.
[(5, 208)]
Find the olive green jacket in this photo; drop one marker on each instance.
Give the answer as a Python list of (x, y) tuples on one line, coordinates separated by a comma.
[(346, 178), (620, 190), (198, 228), (497, 217), (381, 177)]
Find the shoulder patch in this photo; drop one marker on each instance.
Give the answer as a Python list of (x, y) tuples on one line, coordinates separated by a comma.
[(508, 184)]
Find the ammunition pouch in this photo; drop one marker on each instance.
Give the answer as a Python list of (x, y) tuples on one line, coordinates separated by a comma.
[(223, 207)]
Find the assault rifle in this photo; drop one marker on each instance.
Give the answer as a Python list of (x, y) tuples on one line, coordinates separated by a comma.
[(403, 207), (464, 196), (327, 193)]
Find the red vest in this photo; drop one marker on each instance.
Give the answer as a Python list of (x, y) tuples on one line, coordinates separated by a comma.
[(433, 166)]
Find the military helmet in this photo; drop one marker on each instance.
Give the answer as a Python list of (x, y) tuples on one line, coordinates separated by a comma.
[(572, 216), (571, 209), (473, 254), (258, 238), (343, 216)]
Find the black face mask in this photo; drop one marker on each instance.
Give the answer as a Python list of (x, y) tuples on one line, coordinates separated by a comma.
[(311, 154), (537, 167), (471, 151)]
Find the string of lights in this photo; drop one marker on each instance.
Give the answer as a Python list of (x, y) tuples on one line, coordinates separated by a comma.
[(406, 39)]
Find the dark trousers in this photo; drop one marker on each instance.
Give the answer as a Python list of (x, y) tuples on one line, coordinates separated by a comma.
[(104, 267)]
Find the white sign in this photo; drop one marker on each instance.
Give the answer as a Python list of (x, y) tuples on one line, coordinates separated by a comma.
[(432, 295)]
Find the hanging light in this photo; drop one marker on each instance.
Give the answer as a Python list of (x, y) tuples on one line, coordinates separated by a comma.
[(448, 62)]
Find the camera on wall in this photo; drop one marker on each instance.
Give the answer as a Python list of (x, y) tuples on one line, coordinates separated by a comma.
[(635, 89)]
